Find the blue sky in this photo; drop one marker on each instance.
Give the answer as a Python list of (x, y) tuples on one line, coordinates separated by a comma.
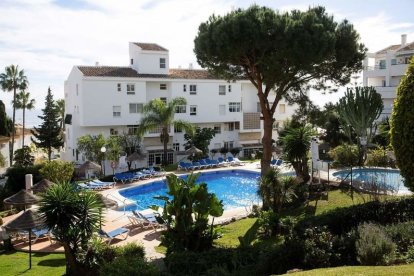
[(48, 37)]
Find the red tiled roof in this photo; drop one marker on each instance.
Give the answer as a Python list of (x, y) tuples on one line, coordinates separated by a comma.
[(150, 46), (392, 47), (408, 47), (128, 72)]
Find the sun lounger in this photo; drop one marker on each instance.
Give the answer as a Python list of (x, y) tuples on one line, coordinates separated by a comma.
[(213, 163), (198, 166), (114, 233), (204, 163), (222, 162), (140, 223), (184, 166), (36, 234), (88, 187), (148, 218)]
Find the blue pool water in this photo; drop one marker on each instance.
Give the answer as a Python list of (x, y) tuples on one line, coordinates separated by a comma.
[(237, 188), (387, 177)]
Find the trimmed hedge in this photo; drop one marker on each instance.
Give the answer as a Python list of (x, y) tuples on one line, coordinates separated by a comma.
[(342, 220)]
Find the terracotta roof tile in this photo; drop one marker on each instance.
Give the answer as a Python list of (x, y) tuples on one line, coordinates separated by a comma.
[(408, 47), (392, 47), (150, 46), (128, 72)]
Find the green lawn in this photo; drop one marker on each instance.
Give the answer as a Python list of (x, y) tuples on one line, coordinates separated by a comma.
[(17, 263), (232, 231), (360, 270)]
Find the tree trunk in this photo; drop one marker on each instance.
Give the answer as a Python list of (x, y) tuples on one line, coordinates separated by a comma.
[(24, 119), (267, 144), (49, 153), (13, 128), (165, 139)]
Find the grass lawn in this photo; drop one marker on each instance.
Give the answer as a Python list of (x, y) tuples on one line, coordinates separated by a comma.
[(17, 263), (360, 270), (231, 232)]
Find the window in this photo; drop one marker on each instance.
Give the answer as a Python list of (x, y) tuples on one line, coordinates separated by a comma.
[(132, 129), (393, 61), (222, 90), (217, 129), (136, 107), (275, 126), (382, 64), (229, 145), (229, 88), (176, 146), (180, 109), (178, 129), (132, 61), (234, 107), (116, 111), (217, 145), (193, 110), (282, 108), (222, 109), (193, 89), (130, 89), (407, 60), (384, 83), (119, 87), (113, 131), (231, 126), (163, 99), (162, 63), (184, 87), (163, 86)]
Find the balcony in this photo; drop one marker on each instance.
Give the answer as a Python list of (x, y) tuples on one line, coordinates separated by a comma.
[(251, 120), (387, 92), (398, 69)]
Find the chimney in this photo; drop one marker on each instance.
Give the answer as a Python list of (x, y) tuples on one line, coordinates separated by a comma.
[(29, 182), (190, 66), (403, 40), (97, 63)]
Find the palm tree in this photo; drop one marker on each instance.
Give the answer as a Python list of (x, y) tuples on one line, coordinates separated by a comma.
[(73, 218), (157, 114), (296, 145), (13, 80), (275, 190), (24, 102), (60, 106)]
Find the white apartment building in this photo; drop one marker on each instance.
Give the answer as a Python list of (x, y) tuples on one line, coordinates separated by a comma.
[(109, 100), (384, 70)]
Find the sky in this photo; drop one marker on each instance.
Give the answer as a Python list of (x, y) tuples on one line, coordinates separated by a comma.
[(47, 38)]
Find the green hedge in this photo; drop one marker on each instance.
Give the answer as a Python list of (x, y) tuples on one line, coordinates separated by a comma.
[(342, 220)]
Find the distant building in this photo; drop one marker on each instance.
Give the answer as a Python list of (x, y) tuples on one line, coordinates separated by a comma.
[(110, 100), (384, 70)]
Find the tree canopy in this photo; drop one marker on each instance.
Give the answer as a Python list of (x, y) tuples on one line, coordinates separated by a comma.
[(24, 102), (402, 125), (279, 51), (48, 135), (6, 123)]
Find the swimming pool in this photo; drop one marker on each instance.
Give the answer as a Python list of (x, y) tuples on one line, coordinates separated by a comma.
[(391, 178), (237, 188)]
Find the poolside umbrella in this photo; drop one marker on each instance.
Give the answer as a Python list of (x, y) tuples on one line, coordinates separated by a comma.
[(42, 186), (135, 156), (89, 166), (193, 150), (29, 220), (22, 198)]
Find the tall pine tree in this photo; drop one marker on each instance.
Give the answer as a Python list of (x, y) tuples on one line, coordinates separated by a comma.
[(48, 135)]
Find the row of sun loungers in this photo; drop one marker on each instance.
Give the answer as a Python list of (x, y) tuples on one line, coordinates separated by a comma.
[(209, 163), (276, 163), (96, 184), (135, 176)]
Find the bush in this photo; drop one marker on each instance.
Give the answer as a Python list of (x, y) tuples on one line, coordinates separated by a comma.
[(344, 155), (378, 158), (57, 171), (269, 223), (318, 247), (16, 177), (402, 234), (97, 253), (373, 246), (343, 220), (131, 250)]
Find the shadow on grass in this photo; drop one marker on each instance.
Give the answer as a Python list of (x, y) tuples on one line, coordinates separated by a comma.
[(250, 235), (52, 262)]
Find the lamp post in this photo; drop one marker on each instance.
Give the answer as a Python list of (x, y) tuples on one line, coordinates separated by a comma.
[(103, 150)]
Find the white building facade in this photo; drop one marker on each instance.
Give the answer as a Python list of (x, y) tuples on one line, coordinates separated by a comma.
[(384, 70), (110, 100)]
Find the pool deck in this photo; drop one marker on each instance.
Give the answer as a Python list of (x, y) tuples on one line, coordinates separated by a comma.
[(115, 219)]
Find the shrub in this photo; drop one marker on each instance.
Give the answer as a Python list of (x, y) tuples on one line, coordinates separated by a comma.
[(57, 171), (373, 246), (378, 158), (402, 125), (269, 223), (23, 157), (318, 247), (343, 220), (402, 234), (344, 155), (128, 267), (97, 253), (16, 177), (345, 249), (131, 250)]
